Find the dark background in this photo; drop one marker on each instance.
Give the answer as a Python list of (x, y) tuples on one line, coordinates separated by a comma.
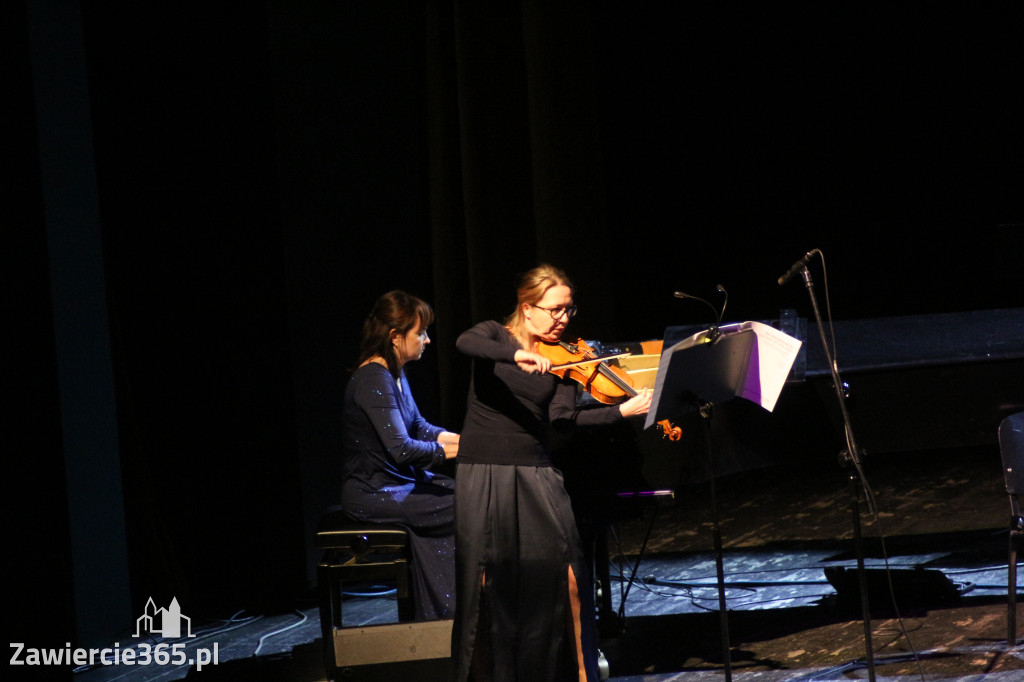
[(227, 187)]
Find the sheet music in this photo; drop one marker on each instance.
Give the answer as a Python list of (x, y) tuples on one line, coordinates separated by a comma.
[(768, 365), (776, 352)]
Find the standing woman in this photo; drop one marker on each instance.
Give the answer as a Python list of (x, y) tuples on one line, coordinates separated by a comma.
[(390, 452), (524, 610)]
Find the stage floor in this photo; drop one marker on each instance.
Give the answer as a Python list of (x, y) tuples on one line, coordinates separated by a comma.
[(940, 523)]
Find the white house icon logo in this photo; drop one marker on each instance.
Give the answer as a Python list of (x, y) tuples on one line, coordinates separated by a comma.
[(166, 622)]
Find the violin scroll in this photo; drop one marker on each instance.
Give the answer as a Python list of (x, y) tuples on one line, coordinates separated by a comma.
[(670, 430)]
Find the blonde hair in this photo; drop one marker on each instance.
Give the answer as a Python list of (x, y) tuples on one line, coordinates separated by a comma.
[(532, 287)]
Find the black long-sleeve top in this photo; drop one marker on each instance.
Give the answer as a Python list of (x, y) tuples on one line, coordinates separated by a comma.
[(510, 412)]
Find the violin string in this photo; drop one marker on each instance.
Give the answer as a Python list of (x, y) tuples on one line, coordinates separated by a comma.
[(617, 380)]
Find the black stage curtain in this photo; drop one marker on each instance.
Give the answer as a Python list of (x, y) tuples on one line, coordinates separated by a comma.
[(265, 170), (659, 147)]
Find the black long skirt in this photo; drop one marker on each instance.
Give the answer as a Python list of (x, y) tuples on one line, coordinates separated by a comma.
[(516, 541)]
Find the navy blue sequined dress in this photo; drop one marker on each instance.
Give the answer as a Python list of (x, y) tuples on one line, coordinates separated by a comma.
[(388, 452)]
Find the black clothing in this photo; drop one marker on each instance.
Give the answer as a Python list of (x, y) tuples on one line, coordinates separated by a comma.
[(388, 449), (515, 530)]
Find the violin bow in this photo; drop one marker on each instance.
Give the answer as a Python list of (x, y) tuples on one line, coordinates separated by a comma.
[(586, 362)]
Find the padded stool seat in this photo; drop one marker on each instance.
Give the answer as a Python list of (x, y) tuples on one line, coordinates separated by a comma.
[(358, 552)]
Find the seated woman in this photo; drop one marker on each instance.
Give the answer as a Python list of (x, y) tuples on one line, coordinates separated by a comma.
[(391, 453)]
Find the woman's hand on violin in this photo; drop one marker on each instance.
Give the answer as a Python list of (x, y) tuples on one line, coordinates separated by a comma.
[(532, 362), (450, 442), (638, 405)]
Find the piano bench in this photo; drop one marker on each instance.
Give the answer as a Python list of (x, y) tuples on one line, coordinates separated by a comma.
[(360, 552)]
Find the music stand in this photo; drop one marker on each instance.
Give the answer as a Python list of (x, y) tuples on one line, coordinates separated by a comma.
[(710, 368)]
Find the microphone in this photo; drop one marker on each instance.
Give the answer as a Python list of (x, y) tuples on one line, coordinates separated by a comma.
[(715, 332), (797, 267)]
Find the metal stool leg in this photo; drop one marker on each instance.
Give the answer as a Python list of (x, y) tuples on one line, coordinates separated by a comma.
[(1011, 451), (1016, 533)]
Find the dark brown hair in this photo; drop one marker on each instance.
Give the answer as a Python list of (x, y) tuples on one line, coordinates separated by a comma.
[(394, 311)]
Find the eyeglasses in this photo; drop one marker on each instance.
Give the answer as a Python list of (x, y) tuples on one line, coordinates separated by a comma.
[(557, 313)]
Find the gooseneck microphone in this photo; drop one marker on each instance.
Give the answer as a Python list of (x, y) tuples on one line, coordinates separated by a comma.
[(797, 267), (715, 332), (721, 313)]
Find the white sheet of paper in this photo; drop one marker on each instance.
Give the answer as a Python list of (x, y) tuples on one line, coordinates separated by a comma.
[(776, 352)]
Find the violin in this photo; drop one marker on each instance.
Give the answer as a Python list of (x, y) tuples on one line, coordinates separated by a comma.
[(605, 383)]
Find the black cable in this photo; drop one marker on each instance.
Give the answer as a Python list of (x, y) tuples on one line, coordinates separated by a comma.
[(643, 547)]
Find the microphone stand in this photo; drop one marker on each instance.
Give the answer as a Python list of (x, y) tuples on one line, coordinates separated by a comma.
[(850, 461)]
